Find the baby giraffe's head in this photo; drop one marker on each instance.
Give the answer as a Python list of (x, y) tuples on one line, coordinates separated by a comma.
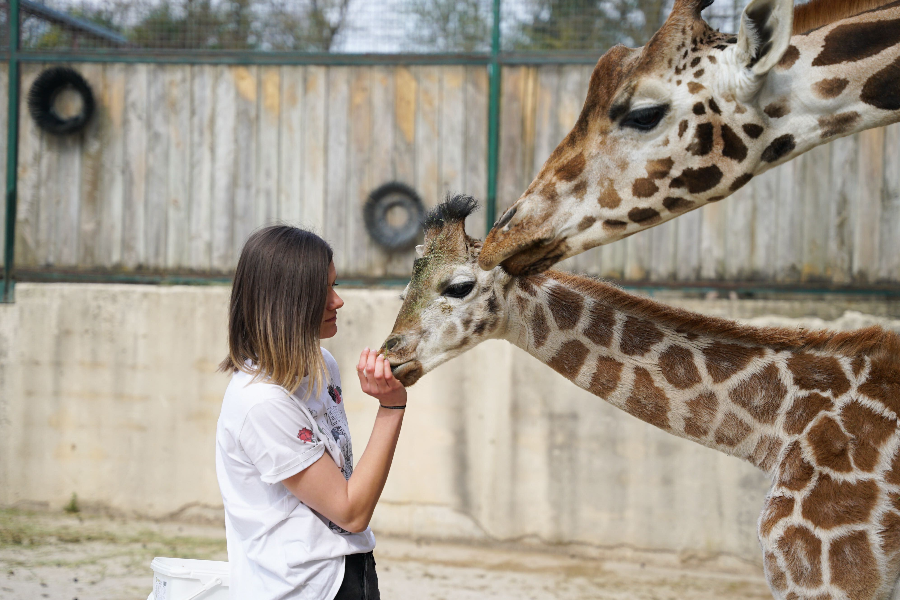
[(450, 304)]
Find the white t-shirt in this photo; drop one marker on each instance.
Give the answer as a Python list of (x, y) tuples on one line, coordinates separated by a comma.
[(279, 548)]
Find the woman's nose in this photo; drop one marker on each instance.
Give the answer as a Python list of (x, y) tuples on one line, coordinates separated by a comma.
[(336, 302)]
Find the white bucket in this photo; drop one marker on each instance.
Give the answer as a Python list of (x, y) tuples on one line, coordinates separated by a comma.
[(189, 579)]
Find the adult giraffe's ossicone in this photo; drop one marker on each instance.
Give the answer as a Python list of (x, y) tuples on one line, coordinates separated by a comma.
[(695, 114)]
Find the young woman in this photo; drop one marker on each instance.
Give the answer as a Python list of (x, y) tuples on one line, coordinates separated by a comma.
[(296, 511)]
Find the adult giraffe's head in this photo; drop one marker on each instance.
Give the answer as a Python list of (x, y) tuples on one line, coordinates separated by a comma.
[(665, 129)]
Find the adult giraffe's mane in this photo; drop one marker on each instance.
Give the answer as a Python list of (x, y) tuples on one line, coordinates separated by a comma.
[(818, 13), (879, 344)]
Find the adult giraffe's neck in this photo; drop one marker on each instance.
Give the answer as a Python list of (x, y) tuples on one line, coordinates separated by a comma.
[(615, 346), (833, 81)]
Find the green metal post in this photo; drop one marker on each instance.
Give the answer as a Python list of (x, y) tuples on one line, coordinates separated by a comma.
[(12, 150), (493, 119)]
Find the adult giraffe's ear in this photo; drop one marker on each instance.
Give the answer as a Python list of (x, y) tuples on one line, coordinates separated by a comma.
[(765, 34)]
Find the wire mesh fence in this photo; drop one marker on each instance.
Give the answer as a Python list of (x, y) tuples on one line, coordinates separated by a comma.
[(347, 26)]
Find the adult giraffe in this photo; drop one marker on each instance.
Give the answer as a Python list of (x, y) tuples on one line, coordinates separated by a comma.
[(695, 114)]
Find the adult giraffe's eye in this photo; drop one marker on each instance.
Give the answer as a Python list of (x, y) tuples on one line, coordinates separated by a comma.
[(459, 290), (645, 119)]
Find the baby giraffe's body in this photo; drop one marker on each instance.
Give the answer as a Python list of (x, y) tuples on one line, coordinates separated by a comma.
[(817, 411)]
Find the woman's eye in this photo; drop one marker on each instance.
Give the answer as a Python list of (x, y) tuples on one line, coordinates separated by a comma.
[(459, 290), (645, 119)]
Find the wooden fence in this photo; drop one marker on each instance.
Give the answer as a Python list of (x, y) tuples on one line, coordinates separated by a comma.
[(182, 162)]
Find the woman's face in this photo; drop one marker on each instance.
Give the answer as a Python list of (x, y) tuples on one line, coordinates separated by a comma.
[(332, 303)]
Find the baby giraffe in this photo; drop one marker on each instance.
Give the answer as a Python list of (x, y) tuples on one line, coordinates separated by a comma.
[(817, 411)]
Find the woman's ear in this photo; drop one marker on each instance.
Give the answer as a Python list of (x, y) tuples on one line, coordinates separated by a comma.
[(766, 28)]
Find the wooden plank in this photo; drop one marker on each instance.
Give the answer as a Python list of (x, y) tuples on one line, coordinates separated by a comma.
[(765, 239), (268, 163), (789, 230), (712, 241), (50, 201), (223, 172), (381, 167), (336, 189), (315, 100), (739, 230), (178, 103), (687, 266), (428, 143), (30, 152), (157, 168), (842, 180), (811, 192), (359, 244), (452, 129), (135, 190), (4, 99), (406, 102), (476, 124), (246, 155), (203, 105), (510, 163), (89, 232), (112, 174), (290, 144), (868, 210), (68, 180), (662, 252), (889, 236)]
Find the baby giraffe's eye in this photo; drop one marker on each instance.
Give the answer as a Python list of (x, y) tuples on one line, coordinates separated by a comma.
[(645, 119), (459, 290)]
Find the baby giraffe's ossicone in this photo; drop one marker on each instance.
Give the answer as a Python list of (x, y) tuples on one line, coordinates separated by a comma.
[(817, 411)]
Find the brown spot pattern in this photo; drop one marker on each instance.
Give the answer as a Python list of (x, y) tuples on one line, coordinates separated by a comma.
[(883, 385), (830, 445), (789, 57), (600, 322), (638, 336), (889, 533), (540, 330), (869, 430), (699, 109), (830, 88), (702, 411), (572, 169), (740, 182), (647, 402), (714, 107), (682, 128), (731, 431), (644, 188), (694, 87), (774, 574), (565, 306), (882, 90), (677, 366), (580, 189), (776, 110), (609, 197), (753, 130), (614, 225), (674, 204), (823, 373), (779, 148), (724, 360), (839, 124), (765, 455), (853, 566), (855, 41), (659, 168), (698, 180), (803, 411), (761, 394), (569, 359), (586, 222), (802, 550), (834, 503), (643, 215), (795, 473), (734, 147), (702, 143), (892, 476), (777, 508), (606, 377)]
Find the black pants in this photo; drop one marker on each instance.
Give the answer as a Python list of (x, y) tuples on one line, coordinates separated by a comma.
[(360, 581)]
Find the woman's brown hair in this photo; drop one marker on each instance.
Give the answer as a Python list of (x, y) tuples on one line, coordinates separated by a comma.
[(277, 303)]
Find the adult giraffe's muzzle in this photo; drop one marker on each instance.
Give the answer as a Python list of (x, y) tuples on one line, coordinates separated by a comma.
[(522, 245)]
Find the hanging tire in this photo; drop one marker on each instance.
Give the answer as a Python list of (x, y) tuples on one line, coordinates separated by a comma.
[(44, 92), (391, 196)]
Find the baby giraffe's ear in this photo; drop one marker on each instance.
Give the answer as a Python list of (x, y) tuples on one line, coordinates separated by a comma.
[(765, 34), (420, 251)]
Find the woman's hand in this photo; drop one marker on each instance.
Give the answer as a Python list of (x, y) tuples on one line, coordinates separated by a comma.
[(376, 379)]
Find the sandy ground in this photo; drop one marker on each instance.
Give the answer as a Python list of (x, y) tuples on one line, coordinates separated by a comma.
[(66, 557)]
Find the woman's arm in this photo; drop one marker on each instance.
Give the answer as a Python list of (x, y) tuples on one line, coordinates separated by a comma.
[(321, 486)]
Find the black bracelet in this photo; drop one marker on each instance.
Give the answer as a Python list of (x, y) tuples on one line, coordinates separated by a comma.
[(392, 407)]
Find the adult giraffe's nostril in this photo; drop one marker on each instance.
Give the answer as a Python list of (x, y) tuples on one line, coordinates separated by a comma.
[(505, 218), (391, 342)]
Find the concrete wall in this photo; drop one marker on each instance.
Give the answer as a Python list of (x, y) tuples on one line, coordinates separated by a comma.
[(110, 392)]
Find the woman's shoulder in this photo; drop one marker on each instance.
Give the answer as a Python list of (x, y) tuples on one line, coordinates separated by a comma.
[(329, 360)]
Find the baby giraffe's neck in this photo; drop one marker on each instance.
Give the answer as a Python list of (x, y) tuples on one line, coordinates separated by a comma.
[(732, 388)]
